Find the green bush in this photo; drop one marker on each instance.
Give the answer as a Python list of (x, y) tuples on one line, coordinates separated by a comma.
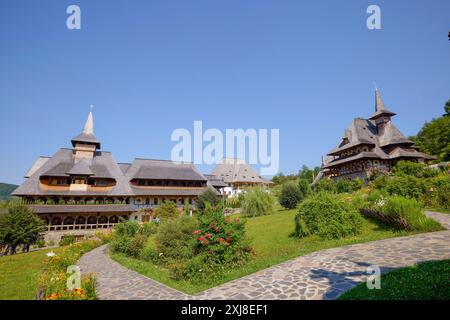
[(326, 215), (411, 211), (175, 239), (344, 185), (167, 210), (129, 237), (326, 185), (257, 202), (405, 186), (290, 195), (67, 240), (305, 187), (417, 170), (207, 196), (438, 195)]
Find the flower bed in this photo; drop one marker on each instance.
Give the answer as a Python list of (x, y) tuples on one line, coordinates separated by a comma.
[(53, 279)]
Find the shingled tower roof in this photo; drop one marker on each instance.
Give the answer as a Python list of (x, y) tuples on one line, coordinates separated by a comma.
[(87, 136), (380, 109)]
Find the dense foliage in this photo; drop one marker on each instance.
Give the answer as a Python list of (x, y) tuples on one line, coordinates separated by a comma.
[(399, 212), (207, 196), (167, 210), (434, 137), (327, 216), (130, 236), (258, 202), (290, 195), (19, 225), (192, 248), (6, 190)]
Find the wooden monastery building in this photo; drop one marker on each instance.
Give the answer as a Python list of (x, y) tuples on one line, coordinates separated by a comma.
[(371, 145), (84, 188)]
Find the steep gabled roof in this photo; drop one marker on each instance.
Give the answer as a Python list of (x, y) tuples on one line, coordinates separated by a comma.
[(62, 163), (391, 135), (360, 132)]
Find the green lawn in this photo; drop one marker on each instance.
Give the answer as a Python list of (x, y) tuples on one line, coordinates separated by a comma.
[(271, 239), (425, 281), (19, 274)]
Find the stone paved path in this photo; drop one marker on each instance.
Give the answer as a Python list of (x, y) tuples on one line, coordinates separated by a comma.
[(320, 275)]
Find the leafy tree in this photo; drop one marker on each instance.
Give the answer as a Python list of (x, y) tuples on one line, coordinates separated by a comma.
[(304, 186), (290, 195), (434, 137), (258, 202), (19, 225), (168, 210), (207, 196), (308, 174)]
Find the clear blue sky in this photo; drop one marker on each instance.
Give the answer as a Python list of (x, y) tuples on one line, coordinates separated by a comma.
[(149, 67)]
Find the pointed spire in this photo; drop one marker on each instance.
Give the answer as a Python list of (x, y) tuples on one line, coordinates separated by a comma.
[(380, 108), (379, 105), (89, 125), (87, 135)]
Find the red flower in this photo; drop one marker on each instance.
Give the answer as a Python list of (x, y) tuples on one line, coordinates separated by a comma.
[(208, 236), (220, 240), (202, 238), (216, 228), (197, 232)]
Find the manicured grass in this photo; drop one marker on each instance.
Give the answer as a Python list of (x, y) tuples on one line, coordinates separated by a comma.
[(424, 281), (270, 236), (19, 274)]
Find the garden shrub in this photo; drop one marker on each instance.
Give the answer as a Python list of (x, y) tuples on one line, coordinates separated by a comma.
[(258, 202), (438, 195), (327, 216), (67, 240), (344, 185), (405, 186), (167, 210), (175, 239), (305, 187), (417, 170), (130, 237), (197, 247), (207, 196), (327, 185), (409, 210), (290, 195)]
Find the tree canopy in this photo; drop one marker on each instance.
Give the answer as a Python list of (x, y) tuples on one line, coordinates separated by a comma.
[(19, 225), (434, 137)]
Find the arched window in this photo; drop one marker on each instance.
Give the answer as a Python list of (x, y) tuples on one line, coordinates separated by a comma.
[(92, 220), (68, 220), (103, 219), (56, 221), (80, 220), (113, 219)]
